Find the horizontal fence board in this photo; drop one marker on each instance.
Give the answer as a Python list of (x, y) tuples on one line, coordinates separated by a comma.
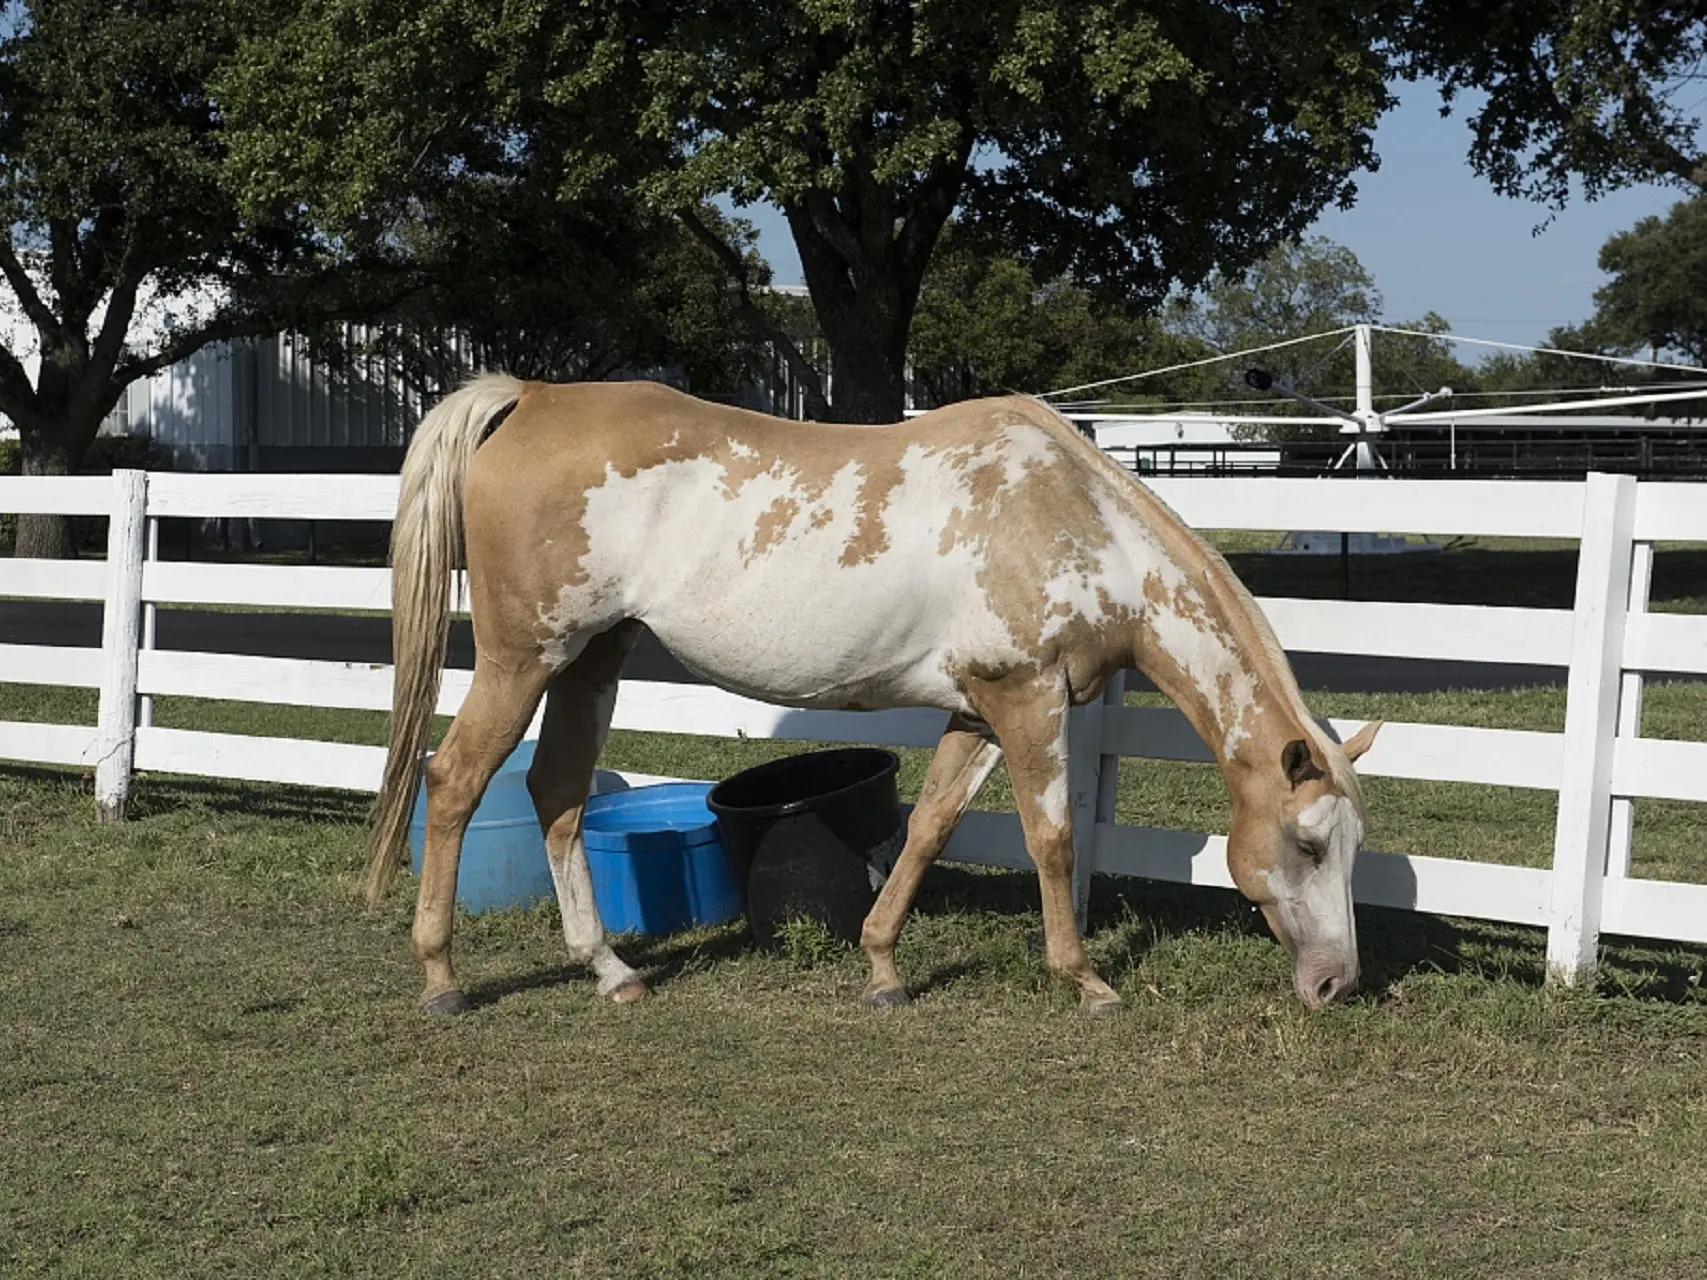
[(56, 495), (1665, 642), (1441, 886), (1659, 768), (47, 743), (278, 586), (988, 839), (279, 497), (54, 579), (336, 765), (1655, 909), (1446, 632), (1440, 753), (353, 686), (703, 709), (50, 664), (1671, 512), (1491, 508)]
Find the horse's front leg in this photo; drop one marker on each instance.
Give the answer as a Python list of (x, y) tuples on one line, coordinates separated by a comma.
[(1030, 720)]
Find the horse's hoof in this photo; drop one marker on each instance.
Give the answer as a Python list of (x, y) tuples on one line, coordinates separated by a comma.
[(885, 998), (627, 992), (1098, 1004), (446, 1003)]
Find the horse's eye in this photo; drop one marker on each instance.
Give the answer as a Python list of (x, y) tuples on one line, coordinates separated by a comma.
[(1314, 852)]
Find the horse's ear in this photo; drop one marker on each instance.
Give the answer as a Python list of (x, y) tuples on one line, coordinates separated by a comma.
[(1296, 764), (1362, 740)]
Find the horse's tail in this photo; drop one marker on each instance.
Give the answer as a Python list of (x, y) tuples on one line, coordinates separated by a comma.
[(426, 547)]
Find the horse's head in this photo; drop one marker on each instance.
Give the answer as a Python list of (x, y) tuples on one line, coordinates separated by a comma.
[(1296, 831)]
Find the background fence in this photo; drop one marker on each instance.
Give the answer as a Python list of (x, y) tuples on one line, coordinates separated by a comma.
[(1598, 765)]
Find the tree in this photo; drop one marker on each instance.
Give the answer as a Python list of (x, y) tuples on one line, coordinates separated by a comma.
[(1303, 288), (1657, 296), (126, 250), (559, 292), (1300, 288), (1599, 91), (985, 325), (1133, 147)]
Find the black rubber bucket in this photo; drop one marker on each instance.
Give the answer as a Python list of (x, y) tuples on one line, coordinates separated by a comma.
[(811, 836)]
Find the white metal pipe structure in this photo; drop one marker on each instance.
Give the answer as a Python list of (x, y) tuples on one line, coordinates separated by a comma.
[(1507, 411)]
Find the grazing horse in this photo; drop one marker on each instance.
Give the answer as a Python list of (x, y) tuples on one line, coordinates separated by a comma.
[(984, 559)]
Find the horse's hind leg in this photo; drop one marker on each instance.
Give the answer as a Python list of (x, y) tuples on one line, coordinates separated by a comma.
[(493, 717), (964, 758), (578, 709)]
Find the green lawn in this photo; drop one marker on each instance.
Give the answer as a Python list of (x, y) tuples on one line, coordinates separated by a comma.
[(213, 1067)]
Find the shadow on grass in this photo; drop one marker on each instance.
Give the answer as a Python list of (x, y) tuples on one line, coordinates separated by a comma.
[(660, 960), (1394, 945), (161, 794)]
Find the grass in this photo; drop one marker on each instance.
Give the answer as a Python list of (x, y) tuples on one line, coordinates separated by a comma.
[(212, 1064), (213, 1067)]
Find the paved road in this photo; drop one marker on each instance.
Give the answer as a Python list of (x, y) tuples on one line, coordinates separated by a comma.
[(368, 639)]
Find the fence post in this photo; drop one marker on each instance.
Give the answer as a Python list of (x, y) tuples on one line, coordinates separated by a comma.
[(1092, 782), (127, 530), (1591, 724), (1630, 715)]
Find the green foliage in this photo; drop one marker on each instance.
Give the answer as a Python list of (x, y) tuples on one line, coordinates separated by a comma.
[(1657, 296), (1568, 91), (986, 325), (563, 292), (1130, 149), (1302, 288), (807, 943)]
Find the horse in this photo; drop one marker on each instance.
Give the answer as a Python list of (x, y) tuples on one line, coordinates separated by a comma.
[(983, 559)]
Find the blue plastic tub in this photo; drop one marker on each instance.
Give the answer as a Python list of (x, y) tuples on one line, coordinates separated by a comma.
[(503, 855), (657, 859)]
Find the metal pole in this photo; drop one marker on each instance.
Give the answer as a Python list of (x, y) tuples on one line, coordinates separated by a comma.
[(1365, 410)]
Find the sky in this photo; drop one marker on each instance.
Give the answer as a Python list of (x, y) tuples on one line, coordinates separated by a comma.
[(1435, 236)]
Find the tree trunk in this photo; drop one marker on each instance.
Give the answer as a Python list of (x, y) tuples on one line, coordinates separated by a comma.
[(868, 366), (45, 537)]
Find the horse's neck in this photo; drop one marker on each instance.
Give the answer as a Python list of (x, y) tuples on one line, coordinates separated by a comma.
[(1204, 648)]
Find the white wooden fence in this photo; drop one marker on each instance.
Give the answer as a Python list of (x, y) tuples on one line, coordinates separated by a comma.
[(1599, 765)]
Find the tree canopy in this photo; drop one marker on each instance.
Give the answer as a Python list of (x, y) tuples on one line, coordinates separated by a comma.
[(126, 249), (1657, 296), (1133, 148), (1598, 91)]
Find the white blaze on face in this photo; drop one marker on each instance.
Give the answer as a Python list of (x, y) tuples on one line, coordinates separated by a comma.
[(1313, 898)]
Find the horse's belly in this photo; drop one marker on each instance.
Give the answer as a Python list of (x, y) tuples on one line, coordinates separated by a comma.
[(810, 649)]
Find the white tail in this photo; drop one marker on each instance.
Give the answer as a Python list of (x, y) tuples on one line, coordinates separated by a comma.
[(426, 546)]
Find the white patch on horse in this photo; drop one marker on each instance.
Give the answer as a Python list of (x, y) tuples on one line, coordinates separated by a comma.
[(1024, 445), (741, 449), (793, 624), (1313, 897), (1053, 801)]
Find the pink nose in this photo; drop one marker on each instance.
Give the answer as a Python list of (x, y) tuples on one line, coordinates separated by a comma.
[(1322, 984)]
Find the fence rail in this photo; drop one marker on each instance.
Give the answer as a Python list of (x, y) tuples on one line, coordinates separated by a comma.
[(1600, 765)]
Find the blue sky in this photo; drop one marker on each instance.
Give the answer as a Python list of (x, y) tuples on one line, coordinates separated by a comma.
[(1435, 236)]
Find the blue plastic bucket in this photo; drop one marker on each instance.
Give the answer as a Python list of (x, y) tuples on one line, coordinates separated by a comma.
[(656, 856), (657, 860), (503, 855)]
